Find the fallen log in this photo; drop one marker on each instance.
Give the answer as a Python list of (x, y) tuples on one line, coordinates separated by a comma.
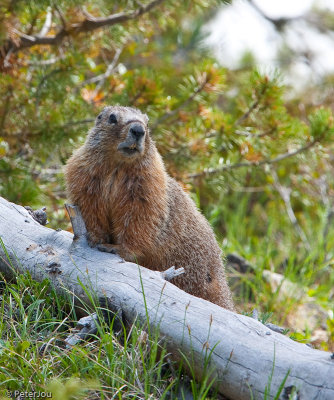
[(247, 359)]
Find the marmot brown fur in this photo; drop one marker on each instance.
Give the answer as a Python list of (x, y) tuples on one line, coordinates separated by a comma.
[(129, 203)]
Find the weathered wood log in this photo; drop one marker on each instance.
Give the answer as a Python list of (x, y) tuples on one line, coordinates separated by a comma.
[(244, 352)]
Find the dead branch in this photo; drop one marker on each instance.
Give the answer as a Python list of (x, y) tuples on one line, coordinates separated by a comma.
[(47, 24), (285, 194), (89, 24), (99, 79), (239, 351)]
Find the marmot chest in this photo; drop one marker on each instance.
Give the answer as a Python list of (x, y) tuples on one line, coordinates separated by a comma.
[(126, 192)]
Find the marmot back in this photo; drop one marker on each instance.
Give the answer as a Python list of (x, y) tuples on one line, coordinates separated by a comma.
[(130, 205)]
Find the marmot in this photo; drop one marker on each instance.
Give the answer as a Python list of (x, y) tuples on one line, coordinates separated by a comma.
[(133, 207)]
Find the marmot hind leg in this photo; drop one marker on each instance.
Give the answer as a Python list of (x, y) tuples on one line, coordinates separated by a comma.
[(218, 292)]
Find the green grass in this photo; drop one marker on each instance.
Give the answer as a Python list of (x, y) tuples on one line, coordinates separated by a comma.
[(265, 237), (34, 321)]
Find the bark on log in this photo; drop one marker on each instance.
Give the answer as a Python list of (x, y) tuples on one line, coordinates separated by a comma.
[(243, 351)]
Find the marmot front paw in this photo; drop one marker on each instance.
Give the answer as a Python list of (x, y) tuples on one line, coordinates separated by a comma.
[(107, 248)]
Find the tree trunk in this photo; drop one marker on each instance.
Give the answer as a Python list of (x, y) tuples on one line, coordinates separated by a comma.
[(247, 359)]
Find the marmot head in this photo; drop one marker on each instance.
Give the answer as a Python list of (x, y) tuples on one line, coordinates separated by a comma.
[(122, 130)]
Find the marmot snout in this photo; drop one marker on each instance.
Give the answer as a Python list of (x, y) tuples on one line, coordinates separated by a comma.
[(130, 204)]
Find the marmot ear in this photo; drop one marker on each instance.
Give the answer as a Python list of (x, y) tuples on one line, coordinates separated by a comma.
[(102, 112), (146, 118)]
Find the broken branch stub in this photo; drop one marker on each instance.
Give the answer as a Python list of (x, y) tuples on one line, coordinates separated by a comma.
[(78, 224)]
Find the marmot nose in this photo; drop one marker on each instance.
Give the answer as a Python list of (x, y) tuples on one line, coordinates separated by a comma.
[(137, 131)]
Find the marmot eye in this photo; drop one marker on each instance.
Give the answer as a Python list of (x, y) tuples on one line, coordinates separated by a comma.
[(99, 116), (112, 119)]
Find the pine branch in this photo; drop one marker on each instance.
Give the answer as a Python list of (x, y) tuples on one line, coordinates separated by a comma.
[(281, 157), (181, 105), (252, 107), (89, 24)]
